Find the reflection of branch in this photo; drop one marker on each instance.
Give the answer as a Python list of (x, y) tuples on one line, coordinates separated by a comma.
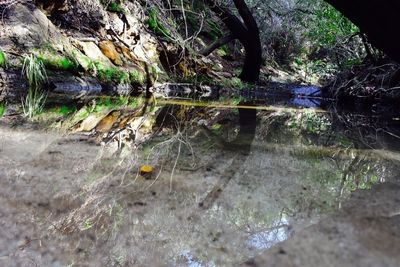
[(345, 174), (269, 229), (242, 145)]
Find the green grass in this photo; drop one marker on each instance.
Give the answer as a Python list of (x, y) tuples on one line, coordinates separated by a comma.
[(35, 72), (2, 109), (3, 59)]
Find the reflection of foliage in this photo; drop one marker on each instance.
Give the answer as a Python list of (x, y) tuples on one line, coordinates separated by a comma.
[(310, 122)]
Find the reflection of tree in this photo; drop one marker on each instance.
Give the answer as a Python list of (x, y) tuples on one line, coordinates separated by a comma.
[(241, 145)]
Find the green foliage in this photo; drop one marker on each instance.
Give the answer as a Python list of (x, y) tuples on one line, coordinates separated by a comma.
[(115, 7), (155, 24), (2, 109), (3, 59), (329, 26), (34, 71), (216, 128), (234, 82), (110, 103)]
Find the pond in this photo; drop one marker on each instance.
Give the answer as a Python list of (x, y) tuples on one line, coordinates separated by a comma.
[(226, 186)]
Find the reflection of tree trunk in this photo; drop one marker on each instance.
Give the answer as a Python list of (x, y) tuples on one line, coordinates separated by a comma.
[(379, 20), (248, 35)]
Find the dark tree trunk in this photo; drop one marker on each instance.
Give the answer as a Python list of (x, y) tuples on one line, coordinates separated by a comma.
[(379, 20), (246, 32)]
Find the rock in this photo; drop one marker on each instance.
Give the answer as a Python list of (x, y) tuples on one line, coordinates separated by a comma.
[(50, 6), (127, 53), (12, 86), (92, 51), (24, 26), (116, 23), (109, 50), (84, 61), (146, 52)]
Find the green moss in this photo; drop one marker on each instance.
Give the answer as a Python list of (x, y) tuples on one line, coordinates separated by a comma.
[(115, 7), (136, 77), (66, 110), (2, 109), (56, 62), (156, 26), (3, 59), (112, 6)]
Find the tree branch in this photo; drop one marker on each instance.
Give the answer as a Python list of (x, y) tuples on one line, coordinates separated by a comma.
[(217, 44)]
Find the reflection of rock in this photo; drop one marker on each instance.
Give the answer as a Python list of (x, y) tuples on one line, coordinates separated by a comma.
[(107, 122), (11, 85), (108, 49), (75, 85), (90, 122)]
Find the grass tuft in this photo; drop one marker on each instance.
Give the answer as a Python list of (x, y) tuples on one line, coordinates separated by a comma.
[(34, 71)]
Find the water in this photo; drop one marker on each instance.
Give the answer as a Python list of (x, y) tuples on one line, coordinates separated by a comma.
[(221, 193)]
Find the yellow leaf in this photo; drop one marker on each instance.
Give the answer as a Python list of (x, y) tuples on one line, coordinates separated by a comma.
[(145, 169)]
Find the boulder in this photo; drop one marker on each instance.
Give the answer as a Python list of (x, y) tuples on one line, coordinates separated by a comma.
[(92, 51), (109, 50), (24, 26)]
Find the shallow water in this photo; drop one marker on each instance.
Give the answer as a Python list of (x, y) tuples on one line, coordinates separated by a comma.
[(216, 198)]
